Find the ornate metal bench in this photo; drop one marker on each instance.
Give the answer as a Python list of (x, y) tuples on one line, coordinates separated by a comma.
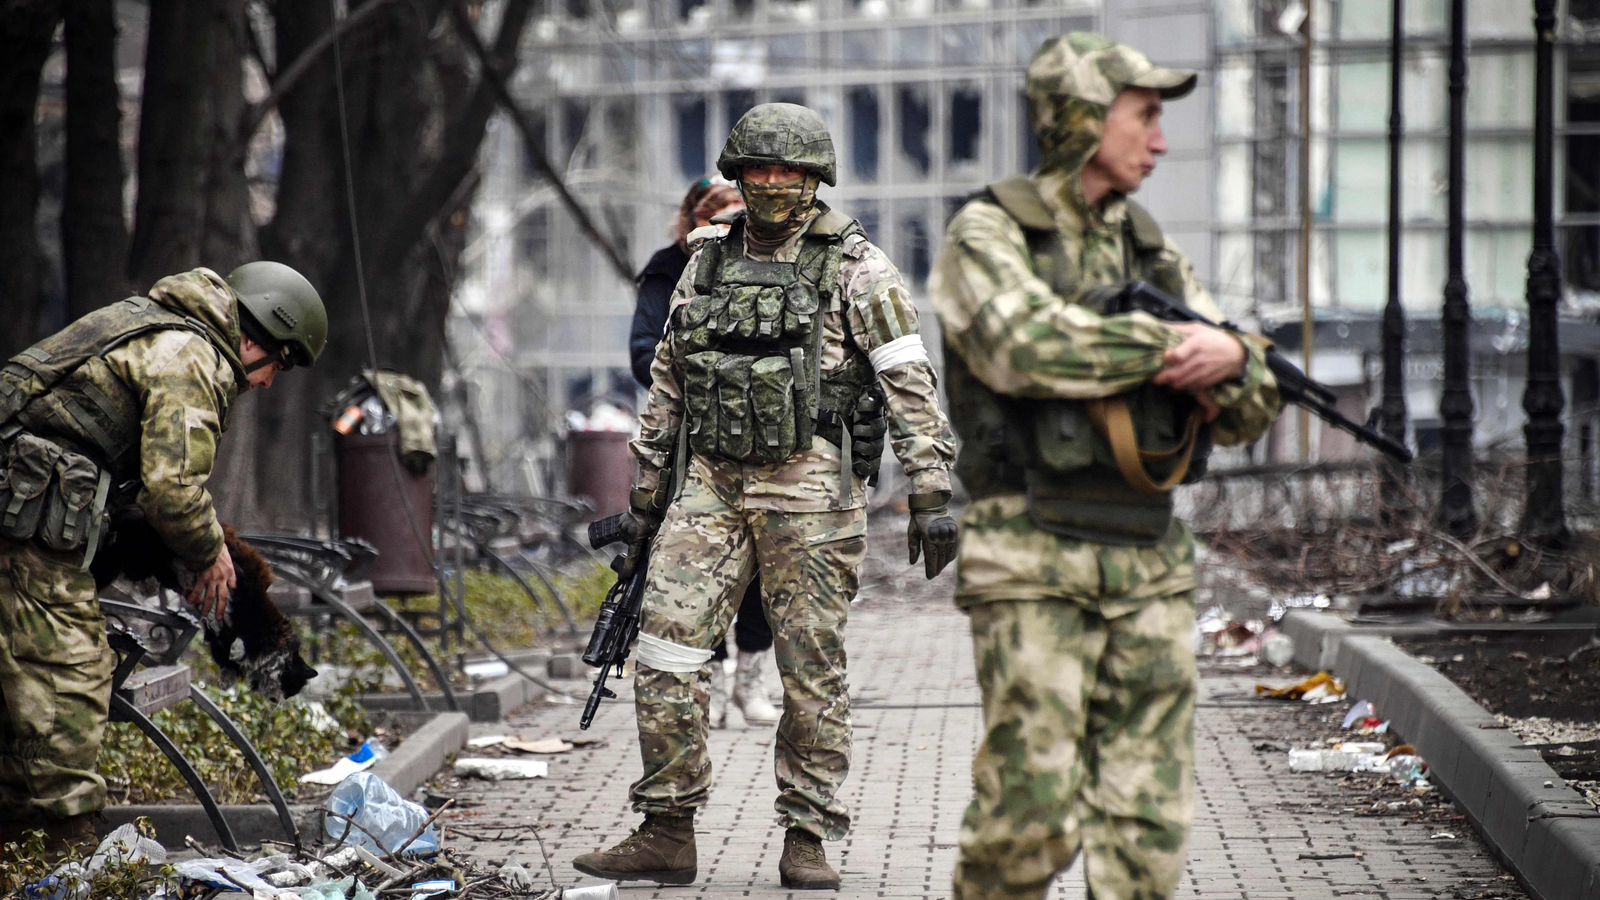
[(149, 678)]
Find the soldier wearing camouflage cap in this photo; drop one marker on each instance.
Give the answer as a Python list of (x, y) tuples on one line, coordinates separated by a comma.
[(121, 408), (792, 351), (1078, 578)]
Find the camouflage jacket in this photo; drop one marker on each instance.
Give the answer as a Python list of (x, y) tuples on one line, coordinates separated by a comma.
[(1019, 338), (186, 385), (878, 310)]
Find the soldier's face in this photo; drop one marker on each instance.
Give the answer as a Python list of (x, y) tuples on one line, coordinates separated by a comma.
[(1132, 139), (773, 195), (249, 352)]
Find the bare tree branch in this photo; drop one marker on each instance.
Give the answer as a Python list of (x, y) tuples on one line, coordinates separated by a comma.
[(496, 80)]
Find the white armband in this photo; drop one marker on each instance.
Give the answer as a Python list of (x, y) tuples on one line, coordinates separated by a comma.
[(665, 656), (897, 352)]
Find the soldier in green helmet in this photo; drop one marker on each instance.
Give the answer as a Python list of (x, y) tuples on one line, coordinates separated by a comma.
[(1076, 423), (792, 351), (121, 408)]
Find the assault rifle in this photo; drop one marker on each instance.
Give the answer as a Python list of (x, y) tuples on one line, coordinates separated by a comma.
[(618, 622), (1293, 385)]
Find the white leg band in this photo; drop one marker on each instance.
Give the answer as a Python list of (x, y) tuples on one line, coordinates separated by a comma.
[(898, 352), (665, 656)]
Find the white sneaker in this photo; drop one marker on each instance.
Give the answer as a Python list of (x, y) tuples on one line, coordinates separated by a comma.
[(749, 693), (717, 716)]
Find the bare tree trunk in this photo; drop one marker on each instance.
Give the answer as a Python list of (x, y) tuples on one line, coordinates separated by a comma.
[(26, 28), (192, 102), (94, 236)]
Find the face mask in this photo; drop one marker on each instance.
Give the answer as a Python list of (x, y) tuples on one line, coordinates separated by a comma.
[(775, 204)]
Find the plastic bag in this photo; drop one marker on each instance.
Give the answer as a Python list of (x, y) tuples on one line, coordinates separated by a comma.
[(370, 802)]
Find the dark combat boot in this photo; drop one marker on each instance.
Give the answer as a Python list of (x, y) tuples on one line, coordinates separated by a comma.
[(661, 850), (804, 865)]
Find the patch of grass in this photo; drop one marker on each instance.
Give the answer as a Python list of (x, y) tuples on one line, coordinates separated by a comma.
[(292, 737)]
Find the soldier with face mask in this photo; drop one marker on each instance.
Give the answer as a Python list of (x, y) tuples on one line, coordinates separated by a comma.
[(1076, 423), (792, 351)]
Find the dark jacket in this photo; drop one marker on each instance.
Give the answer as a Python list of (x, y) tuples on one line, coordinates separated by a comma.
[(655, 284)]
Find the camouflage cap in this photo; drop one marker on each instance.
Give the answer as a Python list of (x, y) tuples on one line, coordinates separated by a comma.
[(1086, 66)]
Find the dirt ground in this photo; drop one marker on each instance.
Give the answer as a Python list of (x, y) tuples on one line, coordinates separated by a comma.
[(1520, 675)]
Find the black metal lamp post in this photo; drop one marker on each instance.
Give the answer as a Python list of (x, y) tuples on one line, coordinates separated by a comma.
[(1543, 518), (1392, 412), (1455, 405)]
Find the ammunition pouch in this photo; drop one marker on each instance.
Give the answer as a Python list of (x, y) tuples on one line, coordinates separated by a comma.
[(53, 495)]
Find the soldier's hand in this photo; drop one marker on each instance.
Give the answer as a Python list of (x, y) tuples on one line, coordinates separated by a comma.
[(932, 533), (1207, 357), (214, 586)]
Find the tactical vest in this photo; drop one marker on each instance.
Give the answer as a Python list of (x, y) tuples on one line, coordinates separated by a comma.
[(1058, 452), (70, 427), (750, 344)]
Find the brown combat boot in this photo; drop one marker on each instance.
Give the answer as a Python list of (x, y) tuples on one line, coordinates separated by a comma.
[(661, 850), (804, 865)]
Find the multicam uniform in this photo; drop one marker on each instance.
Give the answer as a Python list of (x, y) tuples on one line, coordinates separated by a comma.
[(800, 520), (1080, 589), (148, 410)]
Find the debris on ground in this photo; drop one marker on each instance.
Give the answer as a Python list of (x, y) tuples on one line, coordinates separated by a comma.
[(543, 745), (1319, 688), (365, 757), (364, 811), (501, 769)]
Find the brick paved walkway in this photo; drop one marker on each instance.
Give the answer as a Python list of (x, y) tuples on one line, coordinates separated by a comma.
[(917, 722)]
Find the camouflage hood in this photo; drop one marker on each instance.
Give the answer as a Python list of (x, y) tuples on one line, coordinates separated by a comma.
[(1072, 82), (202, 294)]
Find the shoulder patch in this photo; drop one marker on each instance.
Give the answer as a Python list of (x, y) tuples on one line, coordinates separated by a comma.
[(856, 246)]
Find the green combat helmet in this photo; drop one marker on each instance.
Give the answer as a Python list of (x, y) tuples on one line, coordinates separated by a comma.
[(281, 311), (780, 134)]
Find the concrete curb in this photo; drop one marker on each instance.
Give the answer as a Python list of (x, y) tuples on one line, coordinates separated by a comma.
[(1541, 828), (411, 764), (1317, 635), (490, 703)]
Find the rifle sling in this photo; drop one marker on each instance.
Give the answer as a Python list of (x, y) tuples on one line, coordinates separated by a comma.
[(1112, 419)]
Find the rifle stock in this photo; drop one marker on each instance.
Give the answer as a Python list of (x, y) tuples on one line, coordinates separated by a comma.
[(1294, 386)]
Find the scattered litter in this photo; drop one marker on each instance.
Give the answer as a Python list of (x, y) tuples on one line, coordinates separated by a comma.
[(347, 888), (544, 745), (367, 801), (1361, 710), (321, 720), (516, 876), (1277, 648), (1407, 768), (365, 757), (1319, 688), (121, 850), (371, 859), (1281, 607), (502, 769), (488, 740), (605, 891), (584, 740), (436, 888), (1442, 836), (1345, 757), (489, 669)]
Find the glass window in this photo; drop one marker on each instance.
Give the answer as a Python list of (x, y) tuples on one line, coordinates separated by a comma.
[(1497, 265), (914, 46), (1424, 179), (574, 125), (965, 125), (914, 255), (913, 113), (1030, 35), (736, 104), (1499, 20), (1235, 288), (1361, 181), (866, 212), (862, 103), (1235, 98), (1362, 258), (1234, 22), (1422, 269), (1428, 17), (1233, 183), (1499, 179), (1508, 100), (1363, 101), (1427, 93), (689, 111), (963, 44), (686, 8), (1365, 19), (863, 47), (787, 53)]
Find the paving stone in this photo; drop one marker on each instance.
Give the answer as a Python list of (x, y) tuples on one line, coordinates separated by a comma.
[(918, 722)]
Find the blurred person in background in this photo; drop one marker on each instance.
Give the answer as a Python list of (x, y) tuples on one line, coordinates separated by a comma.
[(707, 198)]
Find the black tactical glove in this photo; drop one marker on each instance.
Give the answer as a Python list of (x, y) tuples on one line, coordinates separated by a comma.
[(646, 510), (932, 531)]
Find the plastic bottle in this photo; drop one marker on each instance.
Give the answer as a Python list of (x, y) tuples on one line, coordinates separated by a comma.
[(1405, 768), (371, 803)]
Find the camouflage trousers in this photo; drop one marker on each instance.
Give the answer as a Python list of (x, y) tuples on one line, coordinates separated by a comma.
[(55, 685), (1089, 745), (709, 548)]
